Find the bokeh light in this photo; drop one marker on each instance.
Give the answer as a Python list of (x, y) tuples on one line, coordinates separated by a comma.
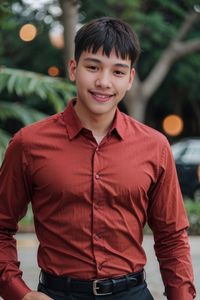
[(28, 32), (173, 125), (57, 41), (56, 36), (53, 71)]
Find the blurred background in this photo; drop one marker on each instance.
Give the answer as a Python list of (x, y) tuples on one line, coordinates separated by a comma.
[(36, 41)]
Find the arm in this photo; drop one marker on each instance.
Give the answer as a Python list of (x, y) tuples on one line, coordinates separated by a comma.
[(14, 198), (168, 221)]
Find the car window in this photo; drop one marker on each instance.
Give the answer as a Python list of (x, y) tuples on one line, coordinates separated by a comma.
[(178, 149), (192, 154)]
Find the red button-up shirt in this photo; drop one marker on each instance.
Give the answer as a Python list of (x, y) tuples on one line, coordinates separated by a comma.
[(91, 202)]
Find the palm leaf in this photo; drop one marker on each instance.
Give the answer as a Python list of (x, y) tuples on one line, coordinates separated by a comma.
[(55, 90), (20, 112), (4, 139)]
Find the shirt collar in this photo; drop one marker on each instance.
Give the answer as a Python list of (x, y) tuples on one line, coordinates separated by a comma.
[(74, 125), (119, 125)]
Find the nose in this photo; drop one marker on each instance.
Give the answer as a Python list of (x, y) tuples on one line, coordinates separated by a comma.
[(103, 81)]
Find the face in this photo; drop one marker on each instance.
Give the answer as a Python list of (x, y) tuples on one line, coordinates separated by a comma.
[(101, 83)]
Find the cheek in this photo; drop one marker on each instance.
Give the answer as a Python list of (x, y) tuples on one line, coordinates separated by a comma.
[(122, 86), (84, 80)]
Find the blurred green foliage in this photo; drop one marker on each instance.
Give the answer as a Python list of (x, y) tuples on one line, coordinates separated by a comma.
[(157, 23), (21, 86), (193, 212), (26, 97)]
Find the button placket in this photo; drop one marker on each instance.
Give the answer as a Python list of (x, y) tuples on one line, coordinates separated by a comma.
[(100, 267), (98, 228), (96, 237), (97, 176), (96, 206)]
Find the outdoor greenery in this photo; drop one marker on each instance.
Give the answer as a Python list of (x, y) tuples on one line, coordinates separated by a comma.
[(158, 24), (193, 211), (28, 94), (22, 86)]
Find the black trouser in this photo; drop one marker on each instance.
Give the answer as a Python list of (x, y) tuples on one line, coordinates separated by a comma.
[(139, 292)]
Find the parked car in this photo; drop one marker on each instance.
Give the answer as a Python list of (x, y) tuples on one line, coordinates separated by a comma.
[(186, 153)]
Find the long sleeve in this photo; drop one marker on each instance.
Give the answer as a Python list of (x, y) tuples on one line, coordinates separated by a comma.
[(14, 197), (168, 221)]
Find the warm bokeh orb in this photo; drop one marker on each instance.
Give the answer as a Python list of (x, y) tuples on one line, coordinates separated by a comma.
[(28, 32), (173, 125), (57, 40), (53, 71)]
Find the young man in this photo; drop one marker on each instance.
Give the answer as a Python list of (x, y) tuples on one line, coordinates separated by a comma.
[(94, 177)]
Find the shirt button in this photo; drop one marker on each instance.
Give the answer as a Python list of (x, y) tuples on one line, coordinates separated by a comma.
[(96, 206), (97, 176), (96, 237), (100, 267), (97, 148)]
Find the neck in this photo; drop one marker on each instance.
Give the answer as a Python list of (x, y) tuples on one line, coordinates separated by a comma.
[(97, 123)]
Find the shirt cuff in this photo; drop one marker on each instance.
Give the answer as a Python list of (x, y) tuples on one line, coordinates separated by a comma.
[(183, 293), (15, 289)]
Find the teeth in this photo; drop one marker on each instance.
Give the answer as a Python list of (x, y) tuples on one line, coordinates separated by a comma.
[(102, 96)]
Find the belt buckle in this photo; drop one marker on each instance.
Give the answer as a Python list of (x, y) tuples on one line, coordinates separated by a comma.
[(95, 288)]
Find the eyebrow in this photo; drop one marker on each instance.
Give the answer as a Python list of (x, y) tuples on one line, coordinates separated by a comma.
[(121, 65)]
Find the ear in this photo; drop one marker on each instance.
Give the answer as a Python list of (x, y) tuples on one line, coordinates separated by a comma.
[(131, 78), (72, 69)]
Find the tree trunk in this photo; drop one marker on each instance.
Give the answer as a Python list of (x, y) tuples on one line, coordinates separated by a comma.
[(69, 21), (137, 108), (135, 101), (141, 92)]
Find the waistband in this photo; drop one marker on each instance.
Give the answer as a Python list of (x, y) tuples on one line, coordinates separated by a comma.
[(97, 287)]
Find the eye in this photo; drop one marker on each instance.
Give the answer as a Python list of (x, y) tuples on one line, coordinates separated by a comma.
[(92, 68), (119, 73)]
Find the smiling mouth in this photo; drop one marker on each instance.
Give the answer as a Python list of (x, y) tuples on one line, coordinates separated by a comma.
[(101, 97)]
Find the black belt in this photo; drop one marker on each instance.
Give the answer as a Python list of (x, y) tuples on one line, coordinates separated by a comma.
[(97, 287)]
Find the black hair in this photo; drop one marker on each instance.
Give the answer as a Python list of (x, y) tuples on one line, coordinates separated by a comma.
[(108, 33)]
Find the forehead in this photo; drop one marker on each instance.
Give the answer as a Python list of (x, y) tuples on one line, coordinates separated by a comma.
[(101, 57)]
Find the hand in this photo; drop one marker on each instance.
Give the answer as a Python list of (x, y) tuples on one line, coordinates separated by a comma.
[(36, 296)]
